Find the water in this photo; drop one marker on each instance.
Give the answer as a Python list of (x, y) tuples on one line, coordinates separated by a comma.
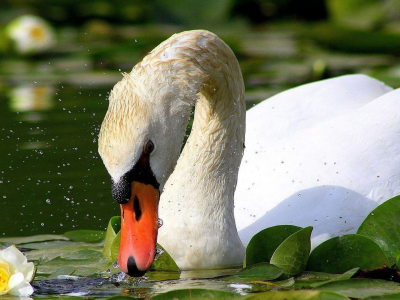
[(51, 177)]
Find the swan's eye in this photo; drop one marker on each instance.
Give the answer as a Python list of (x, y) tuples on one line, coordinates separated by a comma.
[(148, 146)]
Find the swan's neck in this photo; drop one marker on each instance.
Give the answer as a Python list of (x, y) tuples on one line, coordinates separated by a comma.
[(197, 204)]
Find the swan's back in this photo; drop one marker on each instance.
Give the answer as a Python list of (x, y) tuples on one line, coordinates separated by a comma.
[(323, 154)]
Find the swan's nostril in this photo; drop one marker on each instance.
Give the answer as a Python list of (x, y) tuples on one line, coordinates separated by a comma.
[(133, 270)]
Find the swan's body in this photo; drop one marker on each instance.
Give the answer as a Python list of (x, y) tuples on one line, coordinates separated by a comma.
[(323, 154)]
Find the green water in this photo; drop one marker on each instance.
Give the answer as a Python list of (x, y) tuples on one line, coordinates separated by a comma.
[(52, 179)]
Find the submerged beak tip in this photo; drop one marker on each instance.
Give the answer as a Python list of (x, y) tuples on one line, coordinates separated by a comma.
[(132, 268)]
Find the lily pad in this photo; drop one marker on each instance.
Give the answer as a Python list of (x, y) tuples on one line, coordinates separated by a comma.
[(83, 255), (296, 295), (263, 244), (342, 253), (114, 247), (121, 297), (88, 236), (114, 226), (33, 239), (309, 279), (344, 276), (64, 270), (52, 244), (46, 254), (164, 261), (85, 267), (261, 271), (384, 297), (361, 287), (382, 225), (292, 255), (197, 294)]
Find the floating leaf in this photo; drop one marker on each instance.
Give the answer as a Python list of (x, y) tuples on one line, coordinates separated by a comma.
[(296, 295), (263, 244), (164, 261), (83, 255), (361, 287), (52, 244), (33, 239), (382, 225), (114, 226), (87, 236), (47, 254), (261, 271), (114, 247), (64, 270), (308, 279), (121, 297), (291, 256), (384, 297), (197, 294), (344, 276), (342, 253), (84, 267)]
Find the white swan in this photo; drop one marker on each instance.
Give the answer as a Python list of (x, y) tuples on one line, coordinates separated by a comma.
[(323, 154)]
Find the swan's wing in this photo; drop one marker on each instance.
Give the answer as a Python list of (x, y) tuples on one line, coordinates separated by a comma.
[(309, 105), (328, 172)]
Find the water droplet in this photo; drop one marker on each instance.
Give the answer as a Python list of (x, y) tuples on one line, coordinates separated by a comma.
[(160, 223), (48, 201)]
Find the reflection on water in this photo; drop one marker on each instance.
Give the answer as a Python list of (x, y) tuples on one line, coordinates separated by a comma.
[(51, 177), (28, 98)]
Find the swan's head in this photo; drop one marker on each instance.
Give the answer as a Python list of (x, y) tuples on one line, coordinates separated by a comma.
[(139, 146)]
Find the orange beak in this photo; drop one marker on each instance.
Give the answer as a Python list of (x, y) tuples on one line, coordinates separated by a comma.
[(139, 229)]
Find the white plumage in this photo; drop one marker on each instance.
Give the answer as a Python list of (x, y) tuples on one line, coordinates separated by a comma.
[(323, 154)]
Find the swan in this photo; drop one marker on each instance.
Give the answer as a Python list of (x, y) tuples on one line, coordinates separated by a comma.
[(322, 154)]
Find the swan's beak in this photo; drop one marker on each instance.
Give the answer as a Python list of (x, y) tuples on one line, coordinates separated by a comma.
[(139, 229)]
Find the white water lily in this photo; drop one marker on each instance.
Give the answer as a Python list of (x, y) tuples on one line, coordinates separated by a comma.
[(30, 34), (15, 273)]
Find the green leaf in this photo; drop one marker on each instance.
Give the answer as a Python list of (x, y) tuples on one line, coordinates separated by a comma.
[(261, 271), (296, 295), (52, 244), (121, 297), (87, 236), (344, 276), (46, 254), (382, 225), (361, 287), (263, 244), (384, 297), (33, 239), (114, 247), (83, 255), (196, 294), (64, 270), (342, 253), (352, 40), (114, 226), (84, 267), (364, 14), (291, 256), (164, 261)]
